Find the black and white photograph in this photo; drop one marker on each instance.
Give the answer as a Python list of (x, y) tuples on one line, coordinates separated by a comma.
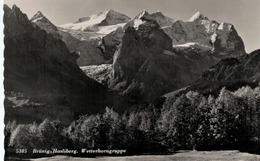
[(131, 80)]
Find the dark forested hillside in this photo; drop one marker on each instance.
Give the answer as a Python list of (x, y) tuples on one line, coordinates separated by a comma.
[(42, 79), (231, 73)]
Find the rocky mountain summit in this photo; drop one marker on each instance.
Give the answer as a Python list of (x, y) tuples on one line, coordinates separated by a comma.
[(44, 23), (162, 19), (93, 22)]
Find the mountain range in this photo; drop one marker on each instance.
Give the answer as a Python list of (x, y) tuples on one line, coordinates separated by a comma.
[(109, 59), (150, 58)]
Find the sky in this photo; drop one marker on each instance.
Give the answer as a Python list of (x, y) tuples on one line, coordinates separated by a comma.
[(243, 14)]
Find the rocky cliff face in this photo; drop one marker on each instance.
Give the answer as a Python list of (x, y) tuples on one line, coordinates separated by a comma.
[(145, 65), (226, 40), (111, 42), (42, 77)]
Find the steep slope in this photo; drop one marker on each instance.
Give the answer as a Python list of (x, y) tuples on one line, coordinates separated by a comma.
[(141, 18), (111, 42), (45, 24), (162, 19), (134, 70), (232, 73), (42, 79), (89, 52), (246, 67)]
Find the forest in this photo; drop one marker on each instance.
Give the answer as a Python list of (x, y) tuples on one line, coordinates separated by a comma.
[(187, 121)]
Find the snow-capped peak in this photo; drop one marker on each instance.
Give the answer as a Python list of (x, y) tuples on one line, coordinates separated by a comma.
[(198, 16), (95, 16), (101, 14), (37, 16), (93, 22), (155, 19), (141, 18), (110, 12)]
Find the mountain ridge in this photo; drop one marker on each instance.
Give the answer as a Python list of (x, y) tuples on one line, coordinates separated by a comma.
[(231, 73), (145, 61), (88, 52), (92, 22)]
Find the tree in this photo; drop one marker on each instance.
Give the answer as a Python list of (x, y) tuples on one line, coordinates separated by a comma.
[(21, 137), (9, 128), (203, 133), (50, 134), (227, 120)]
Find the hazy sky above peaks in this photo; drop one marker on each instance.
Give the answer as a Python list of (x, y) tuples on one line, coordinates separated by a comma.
[(243, 14)]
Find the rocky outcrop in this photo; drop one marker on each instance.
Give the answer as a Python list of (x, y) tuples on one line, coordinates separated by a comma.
[(227, 42), (42, 77), (111, 42), (145, 65)]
